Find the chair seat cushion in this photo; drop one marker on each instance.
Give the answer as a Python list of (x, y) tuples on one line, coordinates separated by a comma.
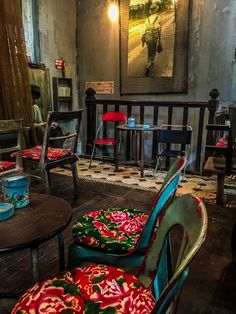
[(113, 230), (105, 141), (53, 153), (92, 289), (7, 165), (56, 294)]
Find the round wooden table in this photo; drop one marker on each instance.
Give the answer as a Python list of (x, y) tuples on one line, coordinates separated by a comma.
[(138, 129), (45, 217)]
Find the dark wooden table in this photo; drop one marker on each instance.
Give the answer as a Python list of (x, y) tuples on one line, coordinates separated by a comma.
[(45, 217), (138, 129)]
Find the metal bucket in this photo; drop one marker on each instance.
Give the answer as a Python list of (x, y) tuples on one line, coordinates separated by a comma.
[(16, 190)]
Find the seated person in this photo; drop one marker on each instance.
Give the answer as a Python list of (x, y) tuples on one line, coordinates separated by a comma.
[(37, 117)]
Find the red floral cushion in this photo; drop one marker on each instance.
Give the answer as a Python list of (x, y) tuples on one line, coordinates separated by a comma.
[(53, 153), (7, 165), (103, 289), (57, 294), (110, 229)]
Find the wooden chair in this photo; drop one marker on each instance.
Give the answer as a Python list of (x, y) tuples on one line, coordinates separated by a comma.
[(11, 141), (45, 157), (219, 162), (105, 289), (121, 236)]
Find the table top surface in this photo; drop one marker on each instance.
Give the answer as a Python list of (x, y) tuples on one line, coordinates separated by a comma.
[(45, 217), (138, 127)]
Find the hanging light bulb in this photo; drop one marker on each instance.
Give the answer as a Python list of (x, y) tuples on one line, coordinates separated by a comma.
[(113, 12)]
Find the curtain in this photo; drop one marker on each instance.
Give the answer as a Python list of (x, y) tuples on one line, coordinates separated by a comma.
[(15, 93)]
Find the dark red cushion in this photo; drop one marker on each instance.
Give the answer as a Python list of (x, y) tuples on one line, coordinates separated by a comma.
[(53, 153), (6, 165)]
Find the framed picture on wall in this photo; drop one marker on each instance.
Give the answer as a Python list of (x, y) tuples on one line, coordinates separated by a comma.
[(154, 46)]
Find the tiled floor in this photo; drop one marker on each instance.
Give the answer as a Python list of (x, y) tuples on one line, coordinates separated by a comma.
[(204, 187)]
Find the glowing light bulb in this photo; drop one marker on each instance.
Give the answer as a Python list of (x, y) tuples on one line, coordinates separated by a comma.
[(113, 12)]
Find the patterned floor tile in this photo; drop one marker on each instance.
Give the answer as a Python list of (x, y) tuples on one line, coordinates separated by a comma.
[(204, 187)]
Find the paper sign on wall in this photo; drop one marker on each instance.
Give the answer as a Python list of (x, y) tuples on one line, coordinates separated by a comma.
[(101, 87)]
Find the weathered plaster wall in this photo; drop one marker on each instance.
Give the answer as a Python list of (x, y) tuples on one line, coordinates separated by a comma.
[(212, 43), (57, 33)]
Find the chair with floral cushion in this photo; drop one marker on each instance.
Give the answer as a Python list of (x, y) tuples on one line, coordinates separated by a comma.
[(121, 236), (45, 157), (106, 289), (11, 141)]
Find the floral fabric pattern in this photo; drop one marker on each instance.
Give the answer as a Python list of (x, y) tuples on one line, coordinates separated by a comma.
[(7, 165), (94, 289), (110, 229), (53, 153), (57, 294)]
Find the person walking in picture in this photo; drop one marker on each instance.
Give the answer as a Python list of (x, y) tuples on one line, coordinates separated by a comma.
[(152, 37)]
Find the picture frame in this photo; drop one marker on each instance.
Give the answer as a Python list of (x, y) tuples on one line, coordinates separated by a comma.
[(166, 70)]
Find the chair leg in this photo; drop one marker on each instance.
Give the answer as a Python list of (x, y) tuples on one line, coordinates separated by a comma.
[(220, 189), (46, 181), (91, 158), (183, 177), (157, 165), (75, 180)]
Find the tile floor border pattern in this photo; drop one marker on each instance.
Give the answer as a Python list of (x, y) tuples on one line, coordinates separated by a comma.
[(204, 187)]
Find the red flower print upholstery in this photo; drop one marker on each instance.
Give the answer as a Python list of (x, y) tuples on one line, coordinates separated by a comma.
[(56, 294), (7, 165), (53, 153), (113, 230), (103, 289)]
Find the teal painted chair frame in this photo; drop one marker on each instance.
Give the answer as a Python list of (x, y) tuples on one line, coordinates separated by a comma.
[(78, 253), (190, 214)]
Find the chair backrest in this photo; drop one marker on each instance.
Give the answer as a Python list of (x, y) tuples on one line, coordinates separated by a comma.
[(189, 212), (114, 116), (12, 130), (68, 123), (110, 116), (165, 194), (175, 134), (232, 118)]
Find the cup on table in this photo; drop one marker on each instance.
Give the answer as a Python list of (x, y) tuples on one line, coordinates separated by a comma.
[(131, 122)]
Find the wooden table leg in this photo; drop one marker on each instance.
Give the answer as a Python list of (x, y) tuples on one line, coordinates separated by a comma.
[(117, 149), (142, 154), (220, 189), (61, 251), (35, 263)]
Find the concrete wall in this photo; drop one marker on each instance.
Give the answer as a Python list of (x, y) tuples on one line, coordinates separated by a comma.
[(57, 34), (81, 33), (212, 43)]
